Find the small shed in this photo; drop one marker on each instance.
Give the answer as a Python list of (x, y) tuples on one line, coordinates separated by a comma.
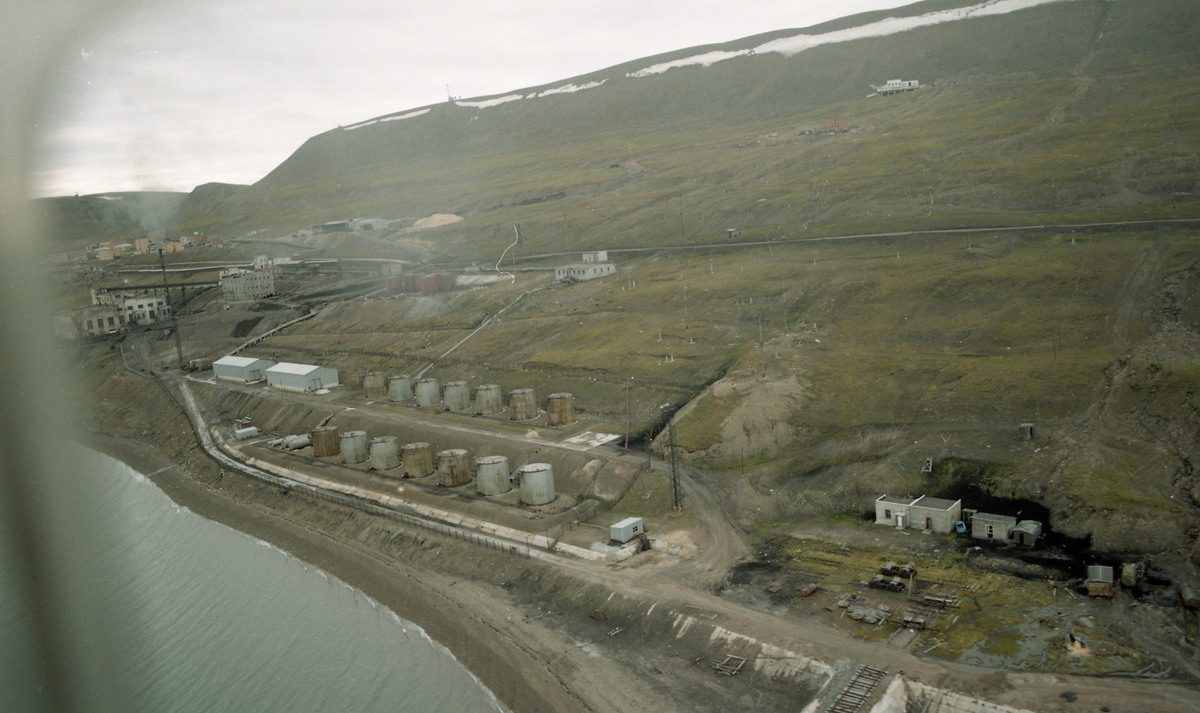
[(892, 510), (988, 526), (627, 529), (1027, 532), (1099, 581), (244, 369), (923, 513), (301, 377), (935, 514)]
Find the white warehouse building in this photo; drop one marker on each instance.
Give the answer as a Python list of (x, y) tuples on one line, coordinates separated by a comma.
[(245, 369), (301, 377)]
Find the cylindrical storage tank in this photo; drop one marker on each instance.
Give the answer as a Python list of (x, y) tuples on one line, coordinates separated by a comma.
[(325, 442), (429, 284), (521, 405), (446, 281), (560, 409), (410, 283), (294, 443), (537, 483), (395, 285), (385, 454), (374, 384), (491, 473), (400, 388), (453, 469), (354, 446), (418, 459), (427, 392), (488, 399), (457, 396)]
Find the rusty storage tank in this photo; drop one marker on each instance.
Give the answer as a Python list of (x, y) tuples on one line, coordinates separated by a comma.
[(560, 409), (410, 283), (354, 446), (325, 442), (429, 284), (453, 469), (446, 281), (457, 396), (537, 483), (427, 392), (417, 459), (374, 384), (394, 284), (521, 405), (385, 454), (400, 388), (491, 473), (488, 399)]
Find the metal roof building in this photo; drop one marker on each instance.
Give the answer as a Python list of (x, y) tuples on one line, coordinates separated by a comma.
[(301, 377), (236, 368)]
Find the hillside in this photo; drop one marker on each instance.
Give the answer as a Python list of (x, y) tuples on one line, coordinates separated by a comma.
[(74, 221), (807, 375), (1076, 109)]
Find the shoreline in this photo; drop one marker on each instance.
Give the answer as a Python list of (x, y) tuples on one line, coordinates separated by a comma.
[(520, 680)]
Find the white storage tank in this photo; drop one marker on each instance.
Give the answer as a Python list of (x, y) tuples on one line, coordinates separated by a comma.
[(537, 483), (427, 392), (488, 399), (453, 469), (400, 388), (457, 396), (491, 473), (385, 454), (354, 446), (418, 459), (521, 405)]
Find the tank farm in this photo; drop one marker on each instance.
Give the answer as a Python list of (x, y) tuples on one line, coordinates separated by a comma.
[(475, 475)]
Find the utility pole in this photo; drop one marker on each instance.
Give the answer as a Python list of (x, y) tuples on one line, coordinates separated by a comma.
[(627, 417), (676, 501), (162, 263), (761, 359)]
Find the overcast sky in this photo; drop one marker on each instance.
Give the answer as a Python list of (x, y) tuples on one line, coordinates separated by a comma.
[(172, 95)]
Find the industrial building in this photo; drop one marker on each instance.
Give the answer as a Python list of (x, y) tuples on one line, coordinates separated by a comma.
[(91, 321), (595, 264), (244, 369), (240, 285), (301, 377), (923, 513)]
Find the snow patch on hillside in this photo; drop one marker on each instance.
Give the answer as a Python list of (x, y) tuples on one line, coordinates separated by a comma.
[(409, 115), (567, 89), (490, 102), (789, 46)]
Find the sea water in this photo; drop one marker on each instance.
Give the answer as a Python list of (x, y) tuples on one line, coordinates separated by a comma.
[(224, 622)]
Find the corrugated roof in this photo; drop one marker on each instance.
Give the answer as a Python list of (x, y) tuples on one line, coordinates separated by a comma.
[(236, 361), (284, 367)]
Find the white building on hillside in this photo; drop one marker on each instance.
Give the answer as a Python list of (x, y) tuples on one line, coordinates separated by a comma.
[(595, 264), (239, 285)]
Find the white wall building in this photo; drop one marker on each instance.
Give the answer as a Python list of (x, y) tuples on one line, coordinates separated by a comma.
[(241, 285), (245, 369), (145, 308), (301, 377)]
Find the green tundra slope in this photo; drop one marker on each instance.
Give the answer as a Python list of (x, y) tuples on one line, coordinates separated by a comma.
[(875, 353)]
